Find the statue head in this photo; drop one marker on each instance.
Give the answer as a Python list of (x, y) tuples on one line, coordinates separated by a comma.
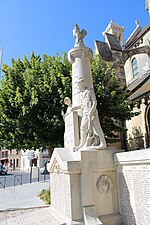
[(67, 101)]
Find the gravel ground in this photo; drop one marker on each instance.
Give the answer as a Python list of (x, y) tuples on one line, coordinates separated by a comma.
[(4, 215)]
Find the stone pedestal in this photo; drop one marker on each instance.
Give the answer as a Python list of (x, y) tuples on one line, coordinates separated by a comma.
[(83, 183), (83, 187)]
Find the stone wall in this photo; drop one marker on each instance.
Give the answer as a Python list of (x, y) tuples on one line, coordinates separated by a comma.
[(137, 134)]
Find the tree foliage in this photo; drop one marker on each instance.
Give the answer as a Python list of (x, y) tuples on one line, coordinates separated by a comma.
[(32, 97), (31, 100)]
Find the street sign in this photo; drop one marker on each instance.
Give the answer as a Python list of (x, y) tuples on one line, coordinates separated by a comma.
[(31, 155)]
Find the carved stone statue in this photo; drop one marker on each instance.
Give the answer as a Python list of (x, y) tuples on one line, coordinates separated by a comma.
[(79, 35), (91, 133), (67, 102)]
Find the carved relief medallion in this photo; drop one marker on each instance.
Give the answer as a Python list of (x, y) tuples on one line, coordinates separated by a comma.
[(104, 184)]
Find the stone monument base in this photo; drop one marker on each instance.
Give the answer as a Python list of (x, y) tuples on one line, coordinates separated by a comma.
[(84, 187)]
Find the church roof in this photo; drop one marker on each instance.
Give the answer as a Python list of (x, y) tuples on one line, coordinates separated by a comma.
[(113, 42), (140, 87), (138, 36), (103, 50)]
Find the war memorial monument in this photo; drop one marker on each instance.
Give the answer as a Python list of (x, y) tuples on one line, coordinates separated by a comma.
[(92, 184)]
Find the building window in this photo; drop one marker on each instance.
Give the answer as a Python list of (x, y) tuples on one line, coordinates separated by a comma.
[(6, 154), (3, 154), (135, 68), (119, 37), (23, 162), (17, 163), (10, 162)]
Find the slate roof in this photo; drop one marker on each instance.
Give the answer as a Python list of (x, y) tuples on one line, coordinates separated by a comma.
[(104, 50), (113, 41)]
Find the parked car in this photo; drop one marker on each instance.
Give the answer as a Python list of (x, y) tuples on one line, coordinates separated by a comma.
[(43, 170), (3, 170)]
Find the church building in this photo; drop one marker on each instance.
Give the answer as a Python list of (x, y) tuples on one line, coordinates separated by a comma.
[(131, 60)]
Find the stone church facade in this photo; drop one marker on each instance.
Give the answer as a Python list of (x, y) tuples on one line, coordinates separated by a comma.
[(131, 60)]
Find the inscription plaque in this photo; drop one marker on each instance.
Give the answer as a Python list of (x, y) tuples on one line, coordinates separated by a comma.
[(134, 192), (71, 136), (60, 193)]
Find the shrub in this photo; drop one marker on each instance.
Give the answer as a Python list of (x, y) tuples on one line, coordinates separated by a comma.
[(45, 196)]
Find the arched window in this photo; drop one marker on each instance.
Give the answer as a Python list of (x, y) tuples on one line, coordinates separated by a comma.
[(119, 37), (135, 68)]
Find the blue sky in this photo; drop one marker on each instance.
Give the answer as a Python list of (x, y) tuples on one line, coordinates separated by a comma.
[(45, 26)]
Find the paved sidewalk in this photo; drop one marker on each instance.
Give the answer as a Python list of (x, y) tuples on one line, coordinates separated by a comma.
[(23, 196), (39, 217), (44, 216)]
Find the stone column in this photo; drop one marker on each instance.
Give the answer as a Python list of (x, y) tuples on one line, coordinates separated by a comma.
[(83, 96), (81, 58)]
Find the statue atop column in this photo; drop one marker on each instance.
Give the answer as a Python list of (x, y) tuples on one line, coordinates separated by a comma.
[(79, 35), (84, 105)]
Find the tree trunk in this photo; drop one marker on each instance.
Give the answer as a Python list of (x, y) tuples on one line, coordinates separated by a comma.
[(50, 150)]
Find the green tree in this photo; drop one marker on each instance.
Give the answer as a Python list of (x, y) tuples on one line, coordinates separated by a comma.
[(112, 100), (31, 100), (32, 97)]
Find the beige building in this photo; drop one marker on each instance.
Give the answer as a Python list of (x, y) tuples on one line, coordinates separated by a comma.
[(19, 160), (40, 157), (131, 60), (10, 158)]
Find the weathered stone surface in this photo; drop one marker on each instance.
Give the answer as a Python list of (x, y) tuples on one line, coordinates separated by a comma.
[(113, 42), (133, 175), (84, 179), (71, 135), (103, 50)]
